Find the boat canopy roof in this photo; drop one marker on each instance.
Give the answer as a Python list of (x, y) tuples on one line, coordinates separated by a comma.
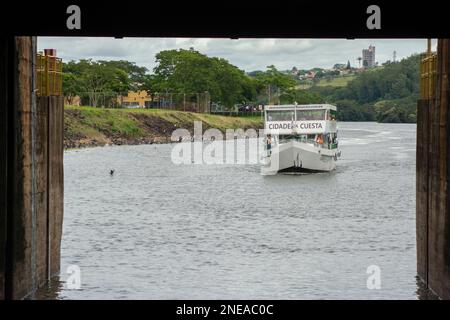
[(301, 107)]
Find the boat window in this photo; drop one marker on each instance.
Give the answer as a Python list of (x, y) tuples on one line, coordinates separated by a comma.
[(286, 138), (306, 115), (307, 138), (285, 115)]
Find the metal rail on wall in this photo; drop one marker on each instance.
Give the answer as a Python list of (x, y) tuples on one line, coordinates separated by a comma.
[(428, 74), (49, 73)]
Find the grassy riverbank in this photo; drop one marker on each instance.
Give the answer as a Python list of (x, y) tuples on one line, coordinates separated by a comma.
[(87, 126)]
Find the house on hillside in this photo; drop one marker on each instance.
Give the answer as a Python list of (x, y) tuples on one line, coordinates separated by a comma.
[(339, 66), (310, 74)]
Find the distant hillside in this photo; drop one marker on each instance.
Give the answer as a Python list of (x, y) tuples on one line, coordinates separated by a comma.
[(387, 94), (335, 82)]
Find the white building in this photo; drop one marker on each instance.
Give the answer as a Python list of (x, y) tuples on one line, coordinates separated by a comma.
[(368, 57)]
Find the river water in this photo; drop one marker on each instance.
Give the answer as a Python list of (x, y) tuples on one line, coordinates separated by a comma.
[(156, 230)]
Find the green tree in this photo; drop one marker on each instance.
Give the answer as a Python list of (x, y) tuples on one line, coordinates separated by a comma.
[(389, 94), (189, 71), (273, 83), (72, 86), (135, 74), (96, 81)]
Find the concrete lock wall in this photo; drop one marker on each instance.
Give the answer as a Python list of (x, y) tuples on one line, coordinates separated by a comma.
[(31, 175), (433, 181)]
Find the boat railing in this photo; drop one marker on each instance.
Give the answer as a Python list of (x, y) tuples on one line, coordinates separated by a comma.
[(276, 140), (326, 145)]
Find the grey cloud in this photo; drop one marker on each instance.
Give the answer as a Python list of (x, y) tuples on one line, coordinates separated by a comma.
[(247, 54)]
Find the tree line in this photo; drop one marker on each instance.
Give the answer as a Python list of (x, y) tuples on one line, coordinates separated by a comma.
[(177, 71), (386, 94)]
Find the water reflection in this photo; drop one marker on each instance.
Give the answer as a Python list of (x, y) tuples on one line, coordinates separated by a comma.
[(50, 291), (423, 293)]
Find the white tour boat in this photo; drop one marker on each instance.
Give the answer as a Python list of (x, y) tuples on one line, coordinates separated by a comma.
[(300, 138)]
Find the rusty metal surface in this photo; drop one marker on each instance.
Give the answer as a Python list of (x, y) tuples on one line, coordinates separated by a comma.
[(21, 238), (37, 193), (56, 180), (433, 193), (422, 188)]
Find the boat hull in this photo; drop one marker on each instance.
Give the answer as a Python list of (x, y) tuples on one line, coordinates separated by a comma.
[(299, 156)]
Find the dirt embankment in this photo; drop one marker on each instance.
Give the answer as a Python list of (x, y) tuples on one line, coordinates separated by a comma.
[(89, 127)]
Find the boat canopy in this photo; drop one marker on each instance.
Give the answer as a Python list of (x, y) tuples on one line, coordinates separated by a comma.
[(308, 118), (322, 106)]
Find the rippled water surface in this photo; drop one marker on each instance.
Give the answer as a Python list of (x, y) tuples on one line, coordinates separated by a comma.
[(155, 230)]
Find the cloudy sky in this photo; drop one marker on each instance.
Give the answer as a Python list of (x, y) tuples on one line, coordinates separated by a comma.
[(247, 54)]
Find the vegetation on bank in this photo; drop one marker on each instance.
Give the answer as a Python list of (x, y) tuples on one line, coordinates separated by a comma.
[(385, 94), (177, 72), (89, 126)]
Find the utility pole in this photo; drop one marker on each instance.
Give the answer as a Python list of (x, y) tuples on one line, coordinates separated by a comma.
[(208, 102), (166, 98), (198, 102)]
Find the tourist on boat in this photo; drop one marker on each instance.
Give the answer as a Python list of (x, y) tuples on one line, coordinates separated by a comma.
[(319, 139), (269, 144)]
